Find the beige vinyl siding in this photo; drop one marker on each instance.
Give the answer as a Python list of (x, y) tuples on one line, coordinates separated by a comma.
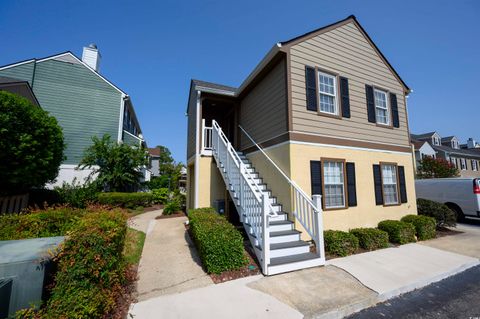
[(263, 111), (346, 52), (191, 126)]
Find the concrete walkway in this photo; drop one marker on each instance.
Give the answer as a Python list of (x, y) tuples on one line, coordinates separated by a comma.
[(467, 243), (140, 222), (169, 261), (393, 271), (230, 300)]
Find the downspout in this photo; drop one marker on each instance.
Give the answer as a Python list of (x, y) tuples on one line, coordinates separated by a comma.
[(197, 149), (122, 111)]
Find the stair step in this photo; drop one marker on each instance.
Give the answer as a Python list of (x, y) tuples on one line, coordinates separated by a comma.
[(290, 244), (292, 259), (280, 222), (284, 233)]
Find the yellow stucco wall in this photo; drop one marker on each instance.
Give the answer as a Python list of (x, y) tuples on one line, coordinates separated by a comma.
[(366, 213), (274, 180), (211, 186)]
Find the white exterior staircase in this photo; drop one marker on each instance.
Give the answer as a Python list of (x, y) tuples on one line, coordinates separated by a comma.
[(277, 244)]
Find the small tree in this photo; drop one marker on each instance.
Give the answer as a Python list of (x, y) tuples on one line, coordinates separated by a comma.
[(170, 171), (31, 145), (116, 164), (430, 167)]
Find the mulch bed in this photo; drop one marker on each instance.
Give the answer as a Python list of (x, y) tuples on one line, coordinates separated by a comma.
[(127, 294), (444, 231), (176, 214), (153, 207)]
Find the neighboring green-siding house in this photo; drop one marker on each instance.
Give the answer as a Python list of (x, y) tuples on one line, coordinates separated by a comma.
[(83, 101)]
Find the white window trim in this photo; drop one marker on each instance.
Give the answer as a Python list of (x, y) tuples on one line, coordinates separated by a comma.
[(343, 183), (463, 164), (436, 140), (474, 165), (397, 190), (335, 90), (387, 108)]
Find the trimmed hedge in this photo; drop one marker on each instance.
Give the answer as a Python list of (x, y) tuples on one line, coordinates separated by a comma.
[(371, 238), (398, 232), (425, 227), (90, 268), (340, 243), (219, 243), (127, 200), (443, 215), (44, 223)]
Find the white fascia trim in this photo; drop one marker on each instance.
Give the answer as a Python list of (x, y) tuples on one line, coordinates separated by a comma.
[(215, 91), (197, 148), (120, 122), (74, 166), (132, 135), (16, 64), (85, 65)]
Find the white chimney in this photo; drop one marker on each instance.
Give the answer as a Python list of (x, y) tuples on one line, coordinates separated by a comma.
[(471, 143), (91, 56)]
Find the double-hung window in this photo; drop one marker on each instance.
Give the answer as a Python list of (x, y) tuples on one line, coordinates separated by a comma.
[(474, 165), (390, 186), (381, 107), (463, 164), (334, 184), (328, 93)]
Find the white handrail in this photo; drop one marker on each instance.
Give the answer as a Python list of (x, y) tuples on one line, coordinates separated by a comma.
[(305, 210)]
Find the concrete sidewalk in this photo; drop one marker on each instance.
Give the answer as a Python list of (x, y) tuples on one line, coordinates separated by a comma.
[(169, 263), (393, 271)]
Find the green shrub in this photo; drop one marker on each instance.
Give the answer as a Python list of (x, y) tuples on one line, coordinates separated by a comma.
[(172, 207), (91, 268), (425, 226), (398, 232), (43, 198), (443, 215), (340, 243), (219, 244), (160, 195), (371, 238), (44, 223), (127, 200), (77, 194)]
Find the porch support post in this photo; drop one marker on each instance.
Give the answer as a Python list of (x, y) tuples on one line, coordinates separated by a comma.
[(265, 234), (197, 149)]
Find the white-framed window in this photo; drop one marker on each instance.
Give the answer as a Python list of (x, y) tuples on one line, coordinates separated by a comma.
[(454, 144), (334, 184), (381, 107), (389, 181), (436, 140), (474, 165), (463, 164), (453, 161), (328, 93)]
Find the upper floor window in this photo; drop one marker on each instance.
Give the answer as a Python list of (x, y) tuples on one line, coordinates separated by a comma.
[(436, 140), (389, 180), (334, 184), (328, 93), (454, 144), (381, 107)]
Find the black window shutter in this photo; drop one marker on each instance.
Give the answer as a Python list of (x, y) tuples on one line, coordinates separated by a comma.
[(311, 86), (345, 97), (394, 108), (351, 187), (401, 182), (316, 177), (370, 103), (377, 179)]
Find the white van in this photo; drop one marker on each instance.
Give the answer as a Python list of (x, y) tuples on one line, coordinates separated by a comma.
[(461, 195)]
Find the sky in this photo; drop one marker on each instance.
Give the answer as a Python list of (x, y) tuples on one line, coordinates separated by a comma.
[(152, 49)]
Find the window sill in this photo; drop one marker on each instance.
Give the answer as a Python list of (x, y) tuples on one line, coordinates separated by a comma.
[(389, 126), (335, 116)]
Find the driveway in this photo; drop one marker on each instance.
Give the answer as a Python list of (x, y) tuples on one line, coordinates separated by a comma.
[(467, 244)]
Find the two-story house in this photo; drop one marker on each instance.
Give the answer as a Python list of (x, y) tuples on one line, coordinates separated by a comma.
[(322, 114), (466, 159), (83, 101)]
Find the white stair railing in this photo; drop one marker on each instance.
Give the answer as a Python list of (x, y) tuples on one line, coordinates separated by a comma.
[(306, 211), (252, 203)]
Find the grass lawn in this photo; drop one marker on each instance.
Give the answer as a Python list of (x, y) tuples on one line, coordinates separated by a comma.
[(133, 246)]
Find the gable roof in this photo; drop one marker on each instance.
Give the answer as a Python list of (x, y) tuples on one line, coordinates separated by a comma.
[(423, 136), (448, 138), (455, 151), (19, 87), (350, 18), (66, 56)]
